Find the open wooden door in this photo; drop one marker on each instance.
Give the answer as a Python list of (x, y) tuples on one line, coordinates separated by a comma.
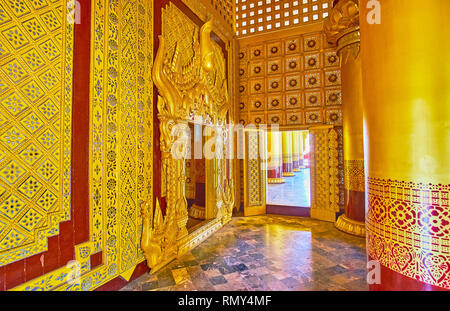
[(254, 172), (324, 173)]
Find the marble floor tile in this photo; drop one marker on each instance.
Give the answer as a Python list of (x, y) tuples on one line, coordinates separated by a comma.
[(267, 253)]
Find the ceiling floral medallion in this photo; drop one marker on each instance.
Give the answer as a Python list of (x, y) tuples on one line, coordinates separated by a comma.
[(312, 62), (332, 59), (332, 78)]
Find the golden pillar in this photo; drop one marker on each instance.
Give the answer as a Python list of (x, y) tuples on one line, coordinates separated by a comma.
[(406, 99), (275, 165), (301, 148), (288, 168), (305, 153), (296, 151), (342, 29)]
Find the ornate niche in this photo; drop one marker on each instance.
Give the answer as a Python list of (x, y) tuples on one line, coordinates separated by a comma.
[(190, 74)]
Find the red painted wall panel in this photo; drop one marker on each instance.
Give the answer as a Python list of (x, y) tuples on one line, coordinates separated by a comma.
[(2, 279)]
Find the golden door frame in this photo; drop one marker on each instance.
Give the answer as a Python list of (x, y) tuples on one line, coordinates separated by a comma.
[(166, 237), (324, 174)]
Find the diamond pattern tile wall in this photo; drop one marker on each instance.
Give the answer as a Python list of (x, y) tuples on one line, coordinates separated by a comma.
[(35, 109)]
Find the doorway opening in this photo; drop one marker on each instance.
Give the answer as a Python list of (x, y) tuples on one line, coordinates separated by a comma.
[(288, 173), (195, 169)]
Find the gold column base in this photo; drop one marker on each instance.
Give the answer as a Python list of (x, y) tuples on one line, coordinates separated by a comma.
[(197, 212), (297, 170), (288, 174), (276, 180), (350, 226)]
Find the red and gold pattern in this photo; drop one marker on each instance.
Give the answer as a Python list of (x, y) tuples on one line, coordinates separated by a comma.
[(408, 229), (354, 175)]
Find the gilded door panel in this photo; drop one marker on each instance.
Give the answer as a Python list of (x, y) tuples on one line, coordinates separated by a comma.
[(35, 125), (121, 149), (324, 173), (254, 173)]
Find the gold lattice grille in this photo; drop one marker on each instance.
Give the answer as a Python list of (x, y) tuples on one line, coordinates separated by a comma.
[(257, 16), (225, 9)]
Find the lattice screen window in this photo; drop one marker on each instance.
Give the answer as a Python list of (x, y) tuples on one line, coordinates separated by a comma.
[(256, 16), (225, 9)]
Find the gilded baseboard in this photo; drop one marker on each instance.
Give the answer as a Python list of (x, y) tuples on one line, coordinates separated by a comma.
[(199, 235), (350, 226)]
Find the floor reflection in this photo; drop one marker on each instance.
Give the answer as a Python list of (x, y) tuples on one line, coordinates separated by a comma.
[(267, 253), (296, 191)]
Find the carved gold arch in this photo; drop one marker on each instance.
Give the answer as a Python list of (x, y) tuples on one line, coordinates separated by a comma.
[(190, 74)]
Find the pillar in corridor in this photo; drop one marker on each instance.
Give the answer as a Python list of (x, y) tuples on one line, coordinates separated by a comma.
[(288, 168), (342, 29), (296, 151), (406, 99), (301, 150), (306, 150), (275, 165)]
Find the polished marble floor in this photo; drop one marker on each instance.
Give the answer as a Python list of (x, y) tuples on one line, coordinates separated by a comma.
[(267, 253), (294, 192)]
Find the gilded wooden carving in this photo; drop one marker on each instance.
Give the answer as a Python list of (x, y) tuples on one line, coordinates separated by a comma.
[(190, 74), (324, 173)]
